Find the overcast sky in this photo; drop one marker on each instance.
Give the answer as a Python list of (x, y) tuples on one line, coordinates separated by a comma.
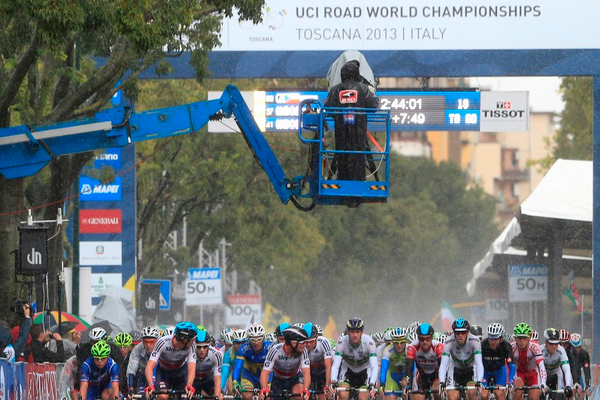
[(543, 91)]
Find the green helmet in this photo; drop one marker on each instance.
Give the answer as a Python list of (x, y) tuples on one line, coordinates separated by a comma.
[(124, 339), (522, 329), (332, 343), (101, 349)]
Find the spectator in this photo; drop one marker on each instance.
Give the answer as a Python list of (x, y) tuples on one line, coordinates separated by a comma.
[(40, 337), (6, 337)]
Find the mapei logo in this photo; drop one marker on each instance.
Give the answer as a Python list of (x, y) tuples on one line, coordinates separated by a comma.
[(348, 96), (504, 105), (515, 270), (93, 190)]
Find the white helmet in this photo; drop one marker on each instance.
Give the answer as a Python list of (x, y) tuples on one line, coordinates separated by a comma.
[(150, 332), (238, 336), (387, 336), (495, 330), (442, 338), (412, 336), (319, 329), (271, 337), (98, 334), (226, 336), (169, 330), (256, 330), (341, 336)]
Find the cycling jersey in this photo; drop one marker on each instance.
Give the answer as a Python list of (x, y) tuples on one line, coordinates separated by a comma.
[(497, 363), (530, 364), (357, 359), (67, 377), (228, 360), (466, 359), (169, 358), (210, 365), (136, 367), (426, 362), (392, 368), (318, 355), (580, 360), (557, 368), (284, 365), (99, 377)]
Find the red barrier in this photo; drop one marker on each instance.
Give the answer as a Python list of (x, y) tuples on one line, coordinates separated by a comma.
[(41, 381)]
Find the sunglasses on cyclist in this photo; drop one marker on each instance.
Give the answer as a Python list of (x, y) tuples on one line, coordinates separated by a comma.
[(202, 346), (256, 340)]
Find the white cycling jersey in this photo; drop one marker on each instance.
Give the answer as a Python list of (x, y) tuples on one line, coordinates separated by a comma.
[(530, 360), (284, 365), (462, 357), (355, 358), (211, 364), (137, 360), (321, 352), (169, 358), (558, 364)]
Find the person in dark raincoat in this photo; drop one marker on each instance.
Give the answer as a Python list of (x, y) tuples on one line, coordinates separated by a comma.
[(351, 129)]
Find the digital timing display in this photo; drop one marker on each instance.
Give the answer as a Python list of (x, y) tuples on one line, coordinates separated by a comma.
[(410, 110)]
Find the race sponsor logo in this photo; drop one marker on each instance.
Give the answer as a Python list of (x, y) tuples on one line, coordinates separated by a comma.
[(93, 190), (100, 221), (348, 96)]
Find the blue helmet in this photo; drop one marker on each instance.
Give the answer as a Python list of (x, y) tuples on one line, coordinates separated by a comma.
[(202, 336), (461, 325), (425, 329), (311, 330), (186, 330), (280, 328)]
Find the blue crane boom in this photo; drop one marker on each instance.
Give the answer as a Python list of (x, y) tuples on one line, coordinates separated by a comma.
[(25, 150)]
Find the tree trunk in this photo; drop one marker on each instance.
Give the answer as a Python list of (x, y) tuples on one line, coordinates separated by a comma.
[(11, 200)]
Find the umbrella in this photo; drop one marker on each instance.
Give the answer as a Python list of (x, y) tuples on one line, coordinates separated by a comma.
[(334, 75), (50, 319), (65, 327)]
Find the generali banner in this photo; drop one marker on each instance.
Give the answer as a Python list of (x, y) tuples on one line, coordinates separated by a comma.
[(100, 221)]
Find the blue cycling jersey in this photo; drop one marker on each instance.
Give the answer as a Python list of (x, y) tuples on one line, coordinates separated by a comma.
[(99, 376), (248, 362)]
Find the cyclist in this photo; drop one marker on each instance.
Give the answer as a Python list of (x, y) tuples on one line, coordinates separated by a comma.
[(355, 361), (498, 368), (175, 360), (463, 351), (99, 374), (124, 342), (393, 361), (249, 361), (581, 361), (208, 367), (238, 338), (321, 359), (68, 379), (225, 340), (556, 363), (136, 378), (279, 331), (477, 331), (168, 331), (529, 360), (423, 355), (289, 364)]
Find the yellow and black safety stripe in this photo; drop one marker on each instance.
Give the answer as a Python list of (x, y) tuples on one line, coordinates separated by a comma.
[(330, 186), (377, 187)]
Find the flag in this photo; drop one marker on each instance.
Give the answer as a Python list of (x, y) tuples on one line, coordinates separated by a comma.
[(330, 330), (273, 317), (573, 294), (449, 315), (250, 322)]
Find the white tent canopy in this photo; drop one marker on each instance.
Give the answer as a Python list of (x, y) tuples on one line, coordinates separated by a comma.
[(565, 192)]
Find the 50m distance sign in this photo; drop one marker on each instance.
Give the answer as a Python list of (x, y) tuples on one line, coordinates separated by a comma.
[(203, 286), (527, 282)]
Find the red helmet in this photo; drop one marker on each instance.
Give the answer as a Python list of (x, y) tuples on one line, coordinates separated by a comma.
[(564, 335)]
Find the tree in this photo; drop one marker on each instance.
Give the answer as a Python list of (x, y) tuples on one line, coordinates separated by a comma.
[(66, 58), (574, 139)]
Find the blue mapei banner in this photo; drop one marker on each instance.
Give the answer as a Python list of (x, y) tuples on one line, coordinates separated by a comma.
[(93, 190)]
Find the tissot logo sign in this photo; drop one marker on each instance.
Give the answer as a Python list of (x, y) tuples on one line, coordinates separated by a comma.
[(504, 112), (100, 221)]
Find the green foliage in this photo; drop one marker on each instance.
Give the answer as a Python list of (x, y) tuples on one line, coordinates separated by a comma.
[(574, 138)]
